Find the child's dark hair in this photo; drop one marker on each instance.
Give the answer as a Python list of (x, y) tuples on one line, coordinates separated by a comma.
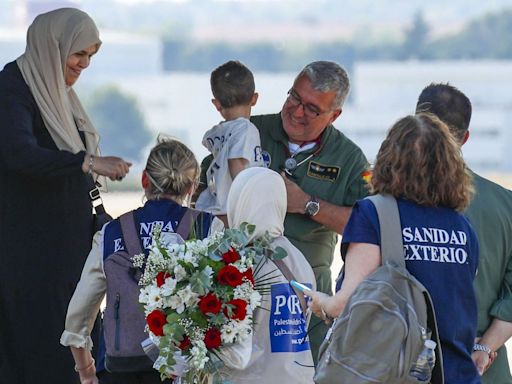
[(232, 84)]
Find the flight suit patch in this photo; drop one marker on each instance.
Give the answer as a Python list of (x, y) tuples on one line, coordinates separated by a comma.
[(323, 172)]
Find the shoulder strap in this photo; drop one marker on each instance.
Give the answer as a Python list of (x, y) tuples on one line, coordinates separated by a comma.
[(289, 276), (130, 236), (391, 243), (187, 222)]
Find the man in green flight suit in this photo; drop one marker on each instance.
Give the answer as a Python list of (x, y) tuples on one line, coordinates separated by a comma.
[(323, 170), (490, 213)]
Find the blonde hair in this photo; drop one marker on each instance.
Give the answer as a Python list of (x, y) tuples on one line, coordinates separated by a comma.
[(171, 168), (421, 161)]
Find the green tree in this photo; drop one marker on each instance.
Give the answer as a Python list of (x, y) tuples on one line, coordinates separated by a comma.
[(482, 38), (416, 38), (120, 122)]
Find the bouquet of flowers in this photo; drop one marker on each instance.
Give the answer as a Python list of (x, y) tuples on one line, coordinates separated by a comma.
[(199, 295)]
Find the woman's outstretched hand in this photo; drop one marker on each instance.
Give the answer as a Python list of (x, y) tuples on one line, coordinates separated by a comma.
[(115, 168)]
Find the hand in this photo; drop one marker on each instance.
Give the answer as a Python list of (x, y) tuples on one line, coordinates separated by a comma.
[(483, 360), (296, 197), (322, 305), (113, 167)]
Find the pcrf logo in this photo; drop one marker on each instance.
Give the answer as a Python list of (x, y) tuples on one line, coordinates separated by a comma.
[(291, 303)]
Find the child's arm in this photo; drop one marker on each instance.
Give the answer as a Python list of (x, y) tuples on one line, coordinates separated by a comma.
[(237, 165)]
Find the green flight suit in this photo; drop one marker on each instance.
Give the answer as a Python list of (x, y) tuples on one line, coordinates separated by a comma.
[(334, 174), (490, 212)]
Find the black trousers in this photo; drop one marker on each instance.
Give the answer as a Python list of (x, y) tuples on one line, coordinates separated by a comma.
[(149, 377)]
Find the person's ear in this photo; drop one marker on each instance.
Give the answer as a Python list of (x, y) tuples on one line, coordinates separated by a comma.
[(192, 188), (217, 105), (145, 180), (335, 115), (254, 99), (465, 138)]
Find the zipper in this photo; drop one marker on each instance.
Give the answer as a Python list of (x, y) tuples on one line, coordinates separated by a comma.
[(118, 321)]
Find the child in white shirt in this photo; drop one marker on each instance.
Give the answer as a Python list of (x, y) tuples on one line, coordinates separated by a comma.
[(235, 142)]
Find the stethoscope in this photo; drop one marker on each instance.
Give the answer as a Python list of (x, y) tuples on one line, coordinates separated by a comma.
[(291, 164)]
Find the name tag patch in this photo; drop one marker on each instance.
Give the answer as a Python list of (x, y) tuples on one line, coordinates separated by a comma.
[(323, 172)]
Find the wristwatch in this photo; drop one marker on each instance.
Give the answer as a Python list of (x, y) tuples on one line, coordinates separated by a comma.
[(312, 207), (482, 347)]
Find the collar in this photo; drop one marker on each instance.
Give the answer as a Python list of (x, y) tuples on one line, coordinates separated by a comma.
[(279, 135)]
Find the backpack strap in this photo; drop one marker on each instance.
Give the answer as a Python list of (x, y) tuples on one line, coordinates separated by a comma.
[(187, 222), (289, 276), (130, 235), (391, 243)]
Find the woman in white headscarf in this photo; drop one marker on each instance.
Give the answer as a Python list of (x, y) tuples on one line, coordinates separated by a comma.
[(280, 348), (49, 158)]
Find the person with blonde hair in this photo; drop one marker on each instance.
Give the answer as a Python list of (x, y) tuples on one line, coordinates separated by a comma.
[(169, 179), (49, 162), (420, 165)]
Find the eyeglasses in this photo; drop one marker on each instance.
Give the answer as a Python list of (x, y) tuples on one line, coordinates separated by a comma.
[(310, 110)]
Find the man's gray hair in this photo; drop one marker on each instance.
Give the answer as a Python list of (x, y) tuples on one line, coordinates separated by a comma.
[(328, 76)]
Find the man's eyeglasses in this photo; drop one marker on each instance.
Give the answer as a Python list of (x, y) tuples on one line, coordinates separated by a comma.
[(310, 110)]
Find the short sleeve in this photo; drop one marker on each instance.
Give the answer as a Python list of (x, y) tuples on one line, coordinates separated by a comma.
[(244, 142), (363, 224)]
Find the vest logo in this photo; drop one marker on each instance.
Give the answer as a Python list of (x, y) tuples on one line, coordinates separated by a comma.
[(323, 172)]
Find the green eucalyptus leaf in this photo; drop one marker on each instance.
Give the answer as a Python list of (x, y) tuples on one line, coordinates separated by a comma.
[(279, 253), (199, 319)]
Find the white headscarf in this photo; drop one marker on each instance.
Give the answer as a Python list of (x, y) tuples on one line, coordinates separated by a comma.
[(258, 196), (51, 39)]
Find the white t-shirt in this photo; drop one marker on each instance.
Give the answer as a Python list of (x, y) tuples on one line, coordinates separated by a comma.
[(232, 139)]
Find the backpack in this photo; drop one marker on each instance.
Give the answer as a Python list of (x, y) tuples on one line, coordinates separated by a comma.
[(123, 320), (386, 321)]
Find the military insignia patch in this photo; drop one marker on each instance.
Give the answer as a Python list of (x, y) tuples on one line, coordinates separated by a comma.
[(267, 159), (323, 172)]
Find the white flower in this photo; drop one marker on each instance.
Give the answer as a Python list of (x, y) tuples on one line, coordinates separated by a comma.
[(151, 296), (168, 287), (179, 272), (243, 328), (176, 302), (189, 257), (188, 296), (198, 355), (246, 292), (228, 333), (255, 300)]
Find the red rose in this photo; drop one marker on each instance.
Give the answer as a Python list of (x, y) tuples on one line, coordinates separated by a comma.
[(212, 338), (156, 321), (210, 304), (239, 309), (160, 278), (185, 343), (249, 276), (230, 256), (230, 275)]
